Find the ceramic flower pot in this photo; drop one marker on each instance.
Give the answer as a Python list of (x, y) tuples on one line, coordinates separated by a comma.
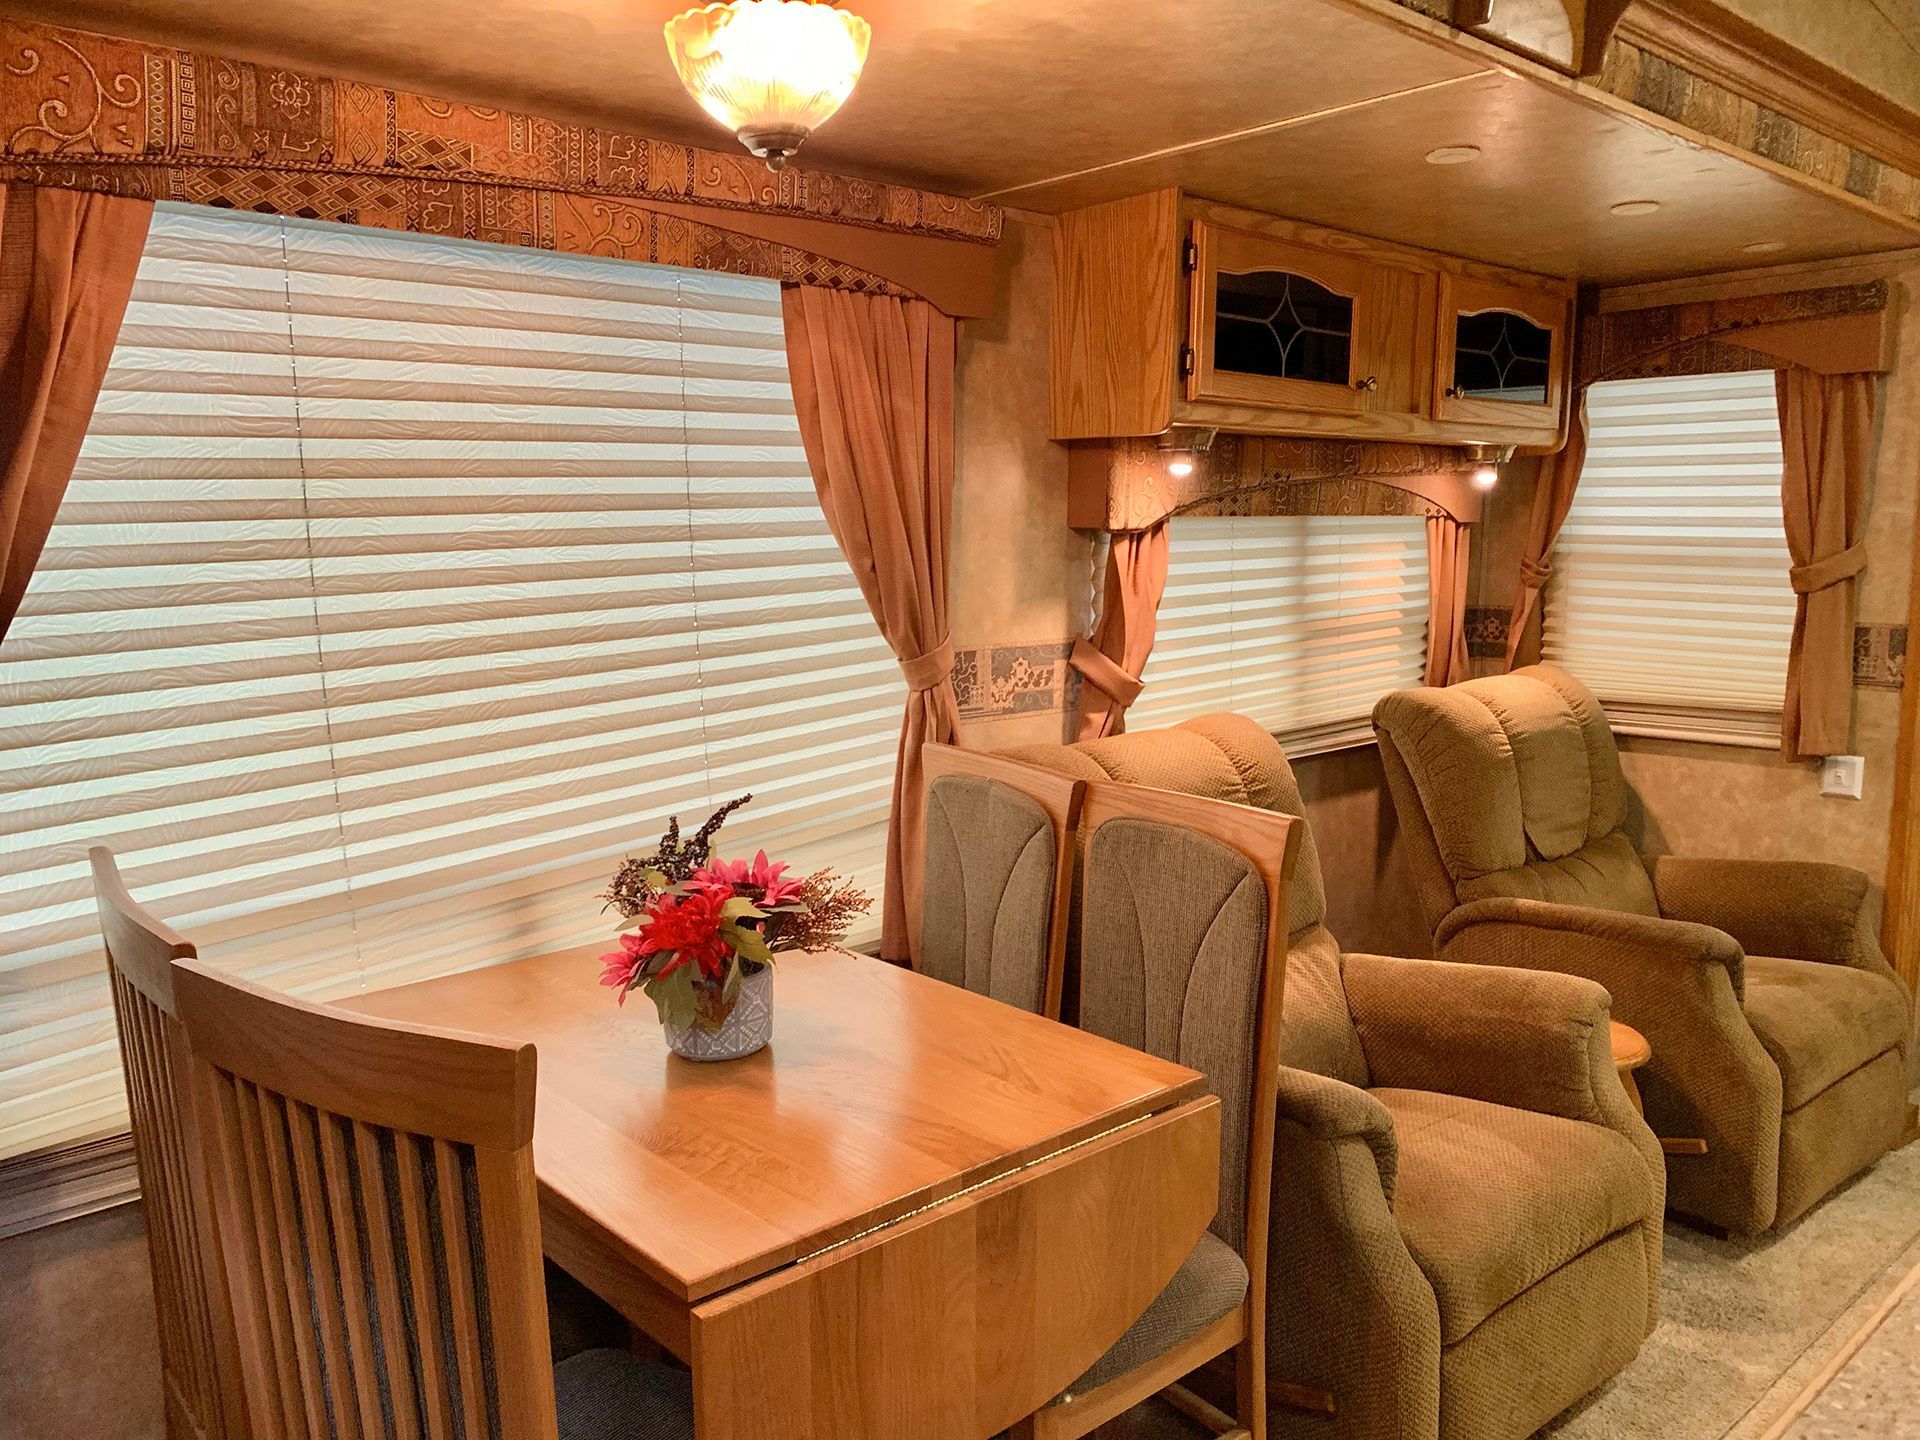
[(747, 1027)]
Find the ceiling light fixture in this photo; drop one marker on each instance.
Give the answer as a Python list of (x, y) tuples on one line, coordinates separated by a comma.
[(1453, 155), (771, 71), (1636, 207), (1182, 466)]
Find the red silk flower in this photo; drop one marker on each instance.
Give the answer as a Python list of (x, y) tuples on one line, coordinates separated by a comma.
[(762, 879)]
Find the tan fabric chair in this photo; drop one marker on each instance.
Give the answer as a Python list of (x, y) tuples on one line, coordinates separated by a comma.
[(1778, 1030), (1465, 1230), (999, 876), (1184, 927)]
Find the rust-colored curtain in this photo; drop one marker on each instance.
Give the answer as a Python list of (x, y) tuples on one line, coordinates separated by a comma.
[(1110, 661), (1552, 498), (873, 385), (1447, 545), (1826, 431), (67, 260)]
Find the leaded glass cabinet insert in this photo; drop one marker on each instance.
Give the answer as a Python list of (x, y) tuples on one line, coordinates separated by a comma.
[(1500, 359), (1274, 322), (1498, 355)]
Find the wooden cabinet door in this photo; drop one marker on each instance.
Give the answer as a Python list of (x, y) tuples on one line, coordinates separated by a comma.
[(1277, 323), (1501, 354)]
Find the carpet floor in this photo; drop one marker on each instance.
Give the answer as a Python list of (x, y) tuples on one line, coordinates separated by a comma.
[(1746, 1324)]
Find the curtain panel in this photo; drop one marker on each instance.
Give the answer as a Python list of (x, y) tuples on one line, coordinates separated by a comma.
[(67, 262), (1552, 498), (1448, 542), (1826, 432), (873, 386), (1111, 659)]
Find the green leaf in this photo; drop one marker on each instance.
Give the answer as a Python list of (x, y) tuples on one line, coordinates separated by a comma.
[(741, 908), (673, 997), (736, 972), (747, 944), (654, 879)]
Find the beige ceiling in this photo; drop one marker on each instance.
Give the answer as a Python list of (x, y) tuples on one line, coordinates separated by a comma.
[(1313, 109)]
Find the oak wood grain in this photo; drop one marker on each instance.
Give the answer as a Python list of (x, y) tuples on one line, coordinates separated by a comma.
[(1116, 273), (883, 1091), (1475, 295), (956, 1323)]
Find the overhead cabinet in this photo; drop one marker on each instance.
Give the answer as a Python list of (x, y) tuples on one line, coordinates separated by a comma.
[(1171, 311)]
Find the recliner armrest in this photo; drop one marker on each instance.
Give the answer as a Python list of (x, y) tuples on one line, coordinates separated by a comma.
[(1799, 910), (1524, 1038), (1332, 1110), (1613, 942)]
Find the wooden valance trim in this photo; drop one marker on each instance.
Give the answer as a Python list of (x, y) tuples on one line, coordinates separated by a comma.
[(1835, 330), (1123, 485), (82, 111)]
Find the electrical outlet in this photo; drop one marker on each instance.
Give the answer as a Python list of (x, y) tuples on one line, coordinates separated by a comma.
[(1843, 775)]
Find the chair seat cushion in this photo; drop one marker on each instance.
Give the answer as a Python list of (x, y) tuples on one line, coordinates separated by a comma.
[(1492, 1200), (1208, 1284), (1820, 1022), (612, 1395)]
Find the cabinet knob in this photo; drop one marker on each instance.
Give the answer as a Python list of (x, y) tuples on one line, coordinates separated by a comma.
[(1454, 392), (1372, 382)]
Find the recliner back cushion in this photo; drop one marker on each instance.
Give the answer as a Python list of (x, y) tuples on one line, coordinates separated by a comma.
[(1521, 785)]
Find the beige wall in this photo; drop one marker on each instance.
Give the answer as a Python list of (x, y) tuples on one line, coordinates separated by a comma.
[(78, 1348), (1874, 41), (1723, 800)]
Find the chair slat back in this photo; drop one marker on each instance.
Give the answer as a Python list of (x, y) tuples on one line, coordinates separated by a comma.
[(999, 875), (374, 1188), (189, 1289)]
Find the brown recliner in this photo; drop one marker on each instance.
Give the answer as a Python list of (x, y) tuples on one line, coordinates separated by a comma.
[(1465, 1230), (1779, 1031)]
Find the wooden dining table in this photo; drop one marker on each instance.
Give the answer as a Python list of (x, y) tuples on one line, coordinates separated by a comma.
[(917, 1213)]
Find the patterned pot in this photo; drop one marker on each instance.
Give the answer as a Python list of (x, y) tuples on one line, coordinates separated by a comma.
[(746, 1029)]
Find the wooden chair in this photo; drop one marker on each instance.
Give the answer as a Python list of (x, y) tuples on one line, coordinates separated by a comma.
[(1183, 929), (999, 876), (202, 1402), (374, 1189)]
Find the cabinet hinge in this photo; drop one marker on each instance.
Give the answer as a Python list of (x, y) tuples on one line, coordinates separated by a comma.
[(1189, 256), (1186, 361)]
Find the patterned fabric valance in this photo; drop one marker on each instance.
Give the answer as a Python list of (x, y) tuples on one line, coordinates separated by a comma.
[(81, 111), (1838, 330), (1125, 485)]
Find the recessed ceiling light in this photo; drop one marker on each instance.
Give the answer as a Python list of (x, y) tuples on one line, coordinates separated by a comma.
[(1636, 207), (1453, 155), (1764, 247), (1180, 467)]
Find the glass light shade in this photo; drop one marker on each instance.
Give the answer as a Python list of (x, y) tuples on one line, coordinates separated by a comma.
[(769, 70)]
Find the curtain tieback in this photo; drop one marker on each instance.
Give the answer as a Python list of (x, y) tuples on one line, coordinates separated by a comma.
[(1825, 574), (925, 672), (1105, 674), (1534, 574)]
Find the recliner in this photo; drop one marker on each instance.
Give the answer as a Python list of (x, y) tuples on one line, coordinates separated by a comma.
[(1465, 1230), (1779, 1032)]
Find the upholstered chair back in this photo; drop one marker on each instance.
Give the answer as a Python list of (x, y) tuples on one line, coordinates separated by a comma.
[(1229, 757), (998, 876), (1511, 786)]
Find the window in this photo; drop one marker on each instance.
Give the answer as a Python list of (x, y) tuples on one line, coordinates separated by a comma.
[(402, 586), (1299, 621), (1669, 594)]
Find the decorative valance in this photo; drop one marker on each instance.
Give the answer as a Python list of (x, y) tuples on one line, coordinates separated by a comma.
[(1838, 330), (1125, 485), (85, 112)]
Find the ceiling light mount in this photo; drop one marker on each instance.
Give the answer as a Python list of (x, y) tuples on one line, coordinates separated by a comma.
[(1628, 208), (771, 71), (1453, 155)]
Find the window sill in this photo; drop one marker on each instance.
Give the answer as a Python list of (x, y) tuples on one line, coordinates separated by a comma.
[(65, 1183), (1744, 729), (1325, 739)]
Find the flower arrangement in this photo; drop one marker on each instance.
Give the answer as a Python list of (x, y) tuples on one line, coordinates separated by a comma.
[(694, 928)]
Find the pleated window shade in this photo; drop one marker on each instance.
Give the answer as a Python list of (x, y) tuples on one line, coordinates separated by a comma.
[(1669, 595), (1299, 621), (403, 586)]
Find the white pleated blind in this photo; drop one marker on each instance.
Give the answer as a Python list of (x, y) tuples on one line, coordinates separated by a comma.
[(1299, 621), (1669, 594), (402, 586)]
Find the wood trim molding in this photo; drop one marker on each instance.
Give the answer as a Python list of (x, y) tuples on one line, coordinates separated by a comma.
[(1717, 45), (1835, 330), (90, 112), (48, 1186), (1761, 280)]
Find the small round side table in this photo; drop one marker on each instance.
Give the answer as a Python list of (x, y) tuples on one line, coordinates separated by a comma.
[(1630, 1052)]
